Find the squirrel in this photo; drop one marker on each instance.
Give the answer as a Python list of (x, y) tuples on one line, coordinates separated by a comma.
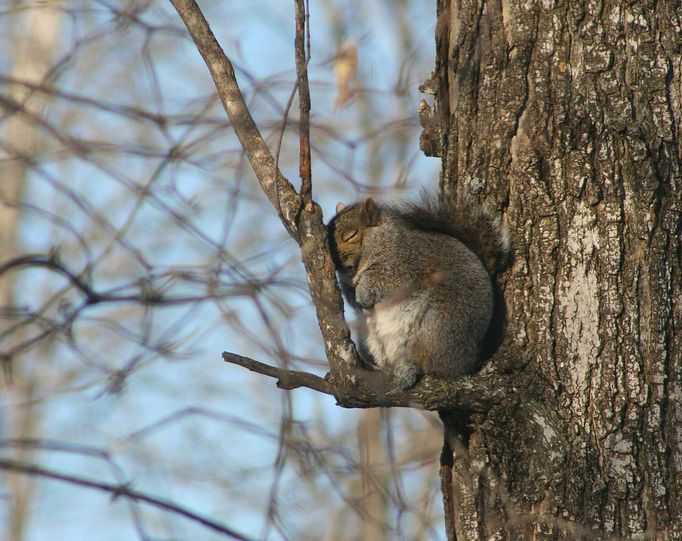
[(421, 274)]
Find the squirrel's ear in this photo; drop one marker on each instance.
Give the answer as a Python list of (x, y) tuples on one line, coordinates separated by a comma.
[(371, 212), (339, 207)]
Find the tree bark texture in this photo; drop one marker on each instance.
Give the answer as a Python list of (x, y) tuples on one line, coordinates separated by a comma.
[(565, 116)]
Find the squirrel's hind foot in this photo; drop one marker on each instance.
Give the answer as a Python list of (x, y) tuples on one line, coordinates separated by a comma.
[(407, 375)]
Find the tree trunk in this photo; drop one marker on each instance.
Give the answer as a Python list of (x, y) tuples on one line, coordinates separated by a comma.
[(566, 117), (32, 52)]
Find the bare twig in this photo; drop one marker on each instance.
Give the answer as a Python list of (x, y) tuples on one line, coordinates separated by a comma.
[(286, 379), (118, 490), (147, 297), (51, 263), (280, 138), (302, 58), (83, 451)]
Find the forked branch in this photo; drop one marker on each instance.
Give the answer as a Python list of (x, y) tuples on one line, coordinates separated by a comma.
[(301, 216)]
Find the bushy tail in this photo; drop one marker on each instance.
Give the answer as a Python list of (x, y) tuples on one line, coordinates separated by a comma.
[(467, 221)]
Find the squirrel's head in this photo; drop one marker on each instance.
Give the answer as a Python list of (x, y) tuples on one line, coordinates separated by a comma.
[(347, 230)]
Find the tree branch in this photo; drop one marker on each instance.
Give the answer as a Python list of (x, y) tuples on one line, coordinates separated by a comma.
[(149, 296), (303, 219), (371, 389), (52, 263), (286, 379), (303, 98), (279, 190), (117, 490)]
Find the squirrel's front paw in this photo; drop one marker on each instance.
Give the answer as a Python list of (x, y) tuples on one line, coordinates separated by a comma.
[(407, 375), (365, 298)]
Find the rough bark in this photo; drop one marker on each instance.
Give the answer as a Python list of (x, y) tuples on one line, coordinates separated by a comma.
[(566, 117)]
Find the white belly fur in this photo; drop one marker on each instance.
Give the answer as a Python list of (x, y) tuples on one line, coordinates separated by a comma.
[(391, 326)]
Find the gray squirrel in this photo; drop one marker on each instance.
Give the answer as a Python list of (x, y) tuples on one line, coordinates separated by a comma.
[(421, 274)]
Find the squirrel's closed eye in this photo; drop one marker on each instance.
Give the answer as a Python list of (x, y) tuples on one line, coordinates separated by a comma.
[(350, 235)]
